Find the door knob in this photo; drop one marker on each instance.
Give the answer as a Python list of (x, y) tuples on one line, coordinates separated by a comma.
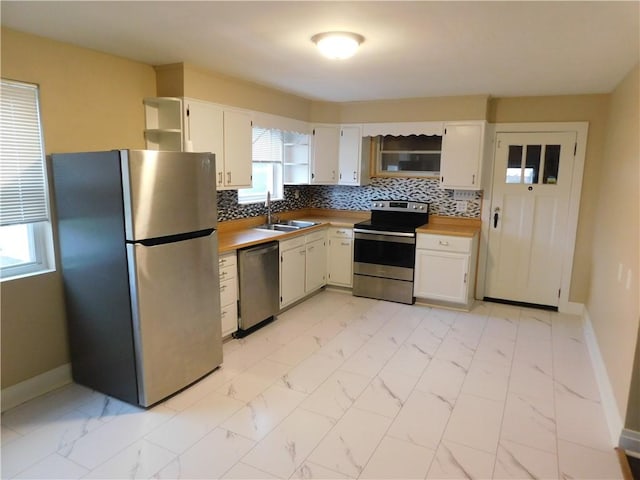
[(496, 215)]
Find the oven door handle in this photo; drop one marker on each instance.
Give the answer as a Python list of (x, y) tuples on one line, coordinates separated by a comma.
[(374, 237), (380, 232)]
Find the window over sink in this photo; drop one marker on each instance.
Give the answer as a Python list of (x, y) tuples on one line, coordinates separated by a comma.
[(270, 150)]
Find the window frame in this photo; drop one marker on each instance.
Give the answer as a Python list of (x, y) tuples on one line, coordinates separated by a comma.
[(39, 232), (249, 198)]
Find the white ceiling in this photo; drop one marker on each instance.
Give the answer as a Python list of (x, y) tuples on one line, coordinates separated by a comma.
[(412, 49)]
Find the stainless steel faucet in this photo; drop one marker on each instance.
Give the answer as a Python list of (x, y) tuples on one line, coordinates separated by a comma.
[(268, 205)]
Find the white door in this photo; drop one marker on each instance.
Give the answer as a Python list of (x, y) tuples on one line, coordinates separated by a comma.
[(529, 207)]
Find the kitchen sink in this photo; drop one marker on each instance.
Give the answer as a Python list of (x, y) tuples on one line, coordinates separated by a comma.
[(277, 227), (286, 226), (297, 223)]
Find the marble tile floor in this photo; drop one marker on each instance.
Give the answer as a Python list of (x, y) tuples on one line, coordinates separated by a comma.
[(346, 387)]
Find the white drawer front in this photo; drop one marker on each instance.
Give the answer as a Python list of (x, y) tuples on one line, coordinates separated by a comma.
[(227, 272), (445, 243), (228, 292), (291, 243), (341, 232), (319, 235), (229, 318), (227, 260)]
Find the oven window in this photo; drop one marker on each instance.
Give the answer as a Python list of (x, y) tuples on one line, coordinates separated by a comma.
[(384, 253)]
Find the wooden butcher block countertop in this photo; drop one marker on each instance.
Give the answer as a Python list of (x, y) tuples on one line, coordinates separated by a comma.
[(234, 234), (455, 226)]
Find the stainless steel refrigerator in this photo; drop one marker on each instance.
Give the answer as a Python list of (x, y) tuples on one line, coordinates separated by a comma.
[(138, 248)]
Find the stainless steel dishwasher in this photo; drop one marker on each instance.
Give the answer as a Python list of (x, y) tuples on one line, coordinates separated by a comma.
[(259, 279)]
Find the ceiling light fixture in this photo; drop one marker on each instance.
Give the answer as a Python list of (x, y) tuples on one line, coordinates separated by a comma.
[(337, 45)]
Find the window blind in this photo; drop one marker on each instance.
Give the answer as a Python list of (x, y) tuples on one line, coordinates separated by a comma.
[(267, 145), (23, 188)]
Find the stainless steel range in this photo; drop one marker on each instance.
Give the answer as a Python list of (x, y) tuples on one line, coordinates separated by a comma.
[(385, 250)]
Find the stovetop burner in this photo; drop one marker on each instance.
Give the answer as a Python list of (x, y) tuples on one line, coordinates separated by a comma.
[(396, 216)]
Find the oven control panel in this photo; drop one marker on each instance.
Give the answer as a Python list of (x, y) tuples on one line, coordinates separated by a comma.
[(399, 206)]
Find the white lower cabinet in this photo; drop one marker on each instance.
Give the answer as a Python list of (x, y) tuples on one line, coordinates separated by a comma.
[(228, 270), (340, 257), (445, 268), (303, 264), (293, 256)]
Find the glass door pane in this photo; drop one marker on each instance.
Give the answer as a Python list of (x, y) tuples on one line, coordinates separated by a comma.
[(551, 164), (514, 164), (532, 164)]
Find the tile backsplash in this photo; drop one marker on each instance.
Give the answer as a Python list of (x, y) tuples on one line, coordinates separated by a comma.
[(344, 197)]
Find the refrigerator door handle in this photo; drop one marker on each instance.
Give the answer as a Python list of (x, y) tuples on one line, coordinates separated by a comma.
[(150, 242)]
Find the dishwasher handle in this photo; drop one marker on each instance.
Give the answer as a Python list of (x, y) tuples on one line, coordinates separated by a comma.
[(260, 249)]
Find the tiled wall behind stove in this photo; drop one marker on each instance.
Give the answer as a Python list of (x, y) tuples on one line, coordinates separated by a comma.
[(344, 197)]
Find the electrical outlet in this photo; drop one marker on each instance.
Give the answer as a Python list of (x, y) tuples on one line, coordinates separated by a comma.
[(464, 195), (461, 206)]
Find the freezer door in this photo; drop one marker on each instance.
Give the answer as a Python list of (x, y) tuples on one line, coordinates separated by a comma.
[(176, 314), (167, 193)]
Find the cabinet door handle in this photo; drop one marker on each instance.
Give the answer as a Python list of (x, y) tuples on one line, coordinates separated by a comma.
[(224, 312), (229, 177), (303, 252), (219, 178), (344, 244), (473, 179), (310, 248), (354, 175), (465, 278), (223, 288)]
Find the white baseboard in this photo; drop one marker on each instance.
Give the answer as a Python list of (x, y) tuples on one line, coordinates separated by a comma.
[(611, 412), (33, 387), (572, 308)]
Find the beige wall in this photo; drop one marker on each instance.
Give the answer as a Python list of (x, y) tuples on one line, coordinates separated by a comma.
[(89, 101), (473, 107), (214, 87), (572, 108), (614, 309)]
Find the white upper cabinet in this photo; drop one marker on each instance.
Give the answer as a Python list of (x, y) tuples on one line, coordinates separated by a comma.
[(237, 149), (203, 129), (325, 140), (462, 154), (227, 133), (353, 157)]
